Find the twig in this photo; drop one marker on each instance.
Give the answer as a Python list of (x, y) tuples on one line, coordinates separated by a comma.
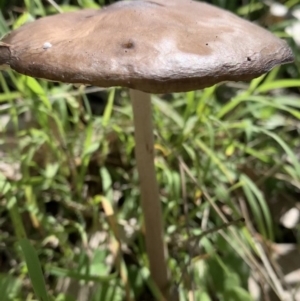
[(218, 228)]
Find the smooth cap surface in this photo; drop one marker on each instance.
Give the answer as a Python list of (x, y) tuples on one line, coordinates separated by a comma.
[(156, 46)]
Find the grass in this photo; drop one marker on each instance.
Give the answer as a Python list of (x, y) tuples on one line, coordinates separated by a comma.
[(227, 158)]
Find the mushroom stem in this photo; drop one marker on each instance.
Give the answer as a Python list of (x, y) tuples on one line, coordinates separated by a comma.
[(151, 206)]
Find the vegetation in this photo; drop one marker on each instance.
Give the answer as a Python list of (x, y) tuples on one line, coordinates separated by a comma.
[(227, 161)]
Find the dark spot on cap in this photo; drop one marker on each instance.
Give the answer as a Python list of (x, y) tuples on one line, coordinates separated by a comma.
[(249, 59), (128, 44)]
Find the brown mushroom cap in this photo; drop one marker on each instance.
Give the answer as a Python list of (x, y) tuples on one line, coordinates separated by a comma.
[(156, 46)]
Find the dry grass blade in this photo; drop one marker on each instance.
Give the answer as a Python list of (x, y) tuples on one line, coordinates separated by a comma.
[(189, 246), (56, 6), (279, 289), (116, 246)]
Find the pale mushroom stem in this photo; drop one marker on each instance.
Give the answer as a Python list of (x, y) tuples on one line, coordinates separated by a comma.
[(151, 206)]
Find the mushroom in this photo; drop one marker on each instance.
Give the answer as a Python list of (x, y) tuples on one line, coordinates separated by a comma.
[(148, 46)]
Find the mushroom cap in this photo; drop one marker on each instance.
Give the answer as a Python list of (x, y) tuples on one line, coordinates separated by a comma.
[(156, 46)]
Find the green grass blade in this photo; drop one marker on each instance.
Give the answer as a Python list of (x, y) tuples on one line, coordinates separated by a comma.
[(34, 270), (279, 84), (210, 153), (109, 108), (266, 221)]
